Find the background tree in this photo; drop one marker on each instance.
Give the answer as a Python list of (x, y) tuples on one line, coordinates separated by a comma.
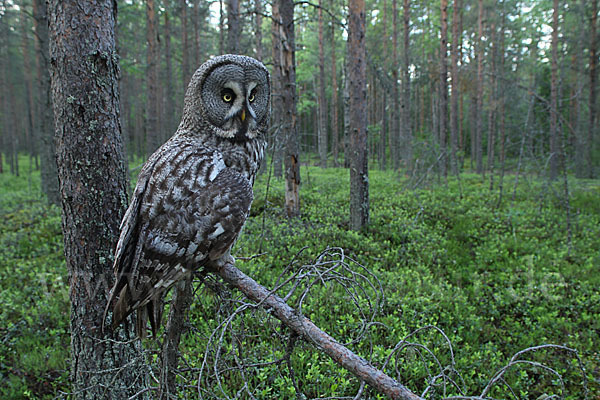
[(357, 74)]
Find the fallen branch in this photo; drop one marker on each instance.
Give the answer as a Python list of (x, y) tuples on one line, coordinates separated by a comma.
[(307, 330)]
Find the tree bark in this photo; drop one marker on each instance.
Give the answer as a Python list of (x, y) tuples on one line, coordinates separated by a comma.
[(357, 75), (322, 135), (406, 125), (554, 96), (169, 100), (49, 174), (395, 130), (307, 330), (185, 56), (443, 119), (258, 8), (334, 96), (288, 103), (455, 89), (93, 187), (276, 138), (233, 26), (479, 97), (593, 92), (153, 139)]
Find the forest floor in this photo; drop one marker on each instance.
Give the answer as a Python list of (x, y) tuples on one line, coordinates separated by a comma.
[(467, 280)]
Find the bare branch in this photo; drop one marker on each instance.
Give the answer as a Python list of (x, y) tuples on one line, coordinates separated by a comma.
[(306, 329)]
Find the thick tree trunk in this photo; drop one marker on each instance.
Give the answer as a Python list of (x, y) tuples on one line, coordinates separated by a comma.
[(93, 187), (49, 174), (153, 139), (444, 86), (322, 135), (357, 75), (554, 97)]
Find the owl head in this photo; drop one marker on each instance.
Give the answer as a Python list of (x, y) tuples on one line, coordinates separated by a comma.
[(230, 95)]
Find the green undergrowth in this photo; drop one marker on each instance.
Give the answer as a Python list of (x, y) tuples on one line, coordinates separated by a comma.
[(494, 279)]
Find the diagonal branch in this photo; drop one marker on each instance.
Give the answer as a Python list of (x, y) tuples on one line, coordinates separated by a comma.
[(306, 329)]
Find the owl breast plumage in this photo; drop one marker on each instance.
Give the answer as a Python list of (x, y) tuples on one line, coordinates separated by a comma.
[(193, 195)]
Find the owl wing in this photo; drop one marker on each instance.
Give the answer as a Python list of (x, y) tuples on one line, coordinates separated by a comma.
[(188, 209)]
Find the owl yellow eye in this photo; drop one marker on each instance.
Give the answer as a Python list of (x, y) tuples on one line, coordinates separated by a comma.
[(227, 97), (251, 98)]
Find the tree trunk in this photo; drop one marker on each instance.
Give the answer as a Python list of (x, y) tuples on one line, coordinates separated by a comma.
[(93, 187), (153, 138), (185, 56), (384, 114), (322, 135), (258, 8), (444, 86), (30, 131), (288, 103), (169, 100), (554, 97), (233, 26), (491, 132), (406, 125), (455, 89), (49, 174), (479, 97), (357, 75), (395, 130), (276, 138), (593, 73), (334, 96)]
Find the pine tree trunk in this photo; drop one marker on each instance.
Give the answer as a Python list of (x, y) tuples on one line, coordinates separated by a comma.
[(554, 97), (169, 100), (276, 139), (288, 103), (444, 86), (49, 174), (406, 123), (185, 56), (334, 97), (322, 135), (258, 8), (153, 139), (395, 130), (93, 187), (233, 28), (479, 97), (357, 75), (455, 89), (593, 78)]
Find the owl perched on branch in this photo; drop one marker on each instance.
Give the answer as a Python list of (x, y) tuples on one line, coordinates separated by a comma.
[(193, 195)]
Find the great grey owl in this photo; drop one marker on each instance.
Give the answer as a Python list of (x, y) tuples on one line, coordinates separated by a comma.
[(193, 195)]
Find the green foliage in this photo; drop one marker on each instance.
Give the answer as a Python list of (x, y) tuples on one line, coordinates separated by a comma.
[(495, 280), (34, 335)]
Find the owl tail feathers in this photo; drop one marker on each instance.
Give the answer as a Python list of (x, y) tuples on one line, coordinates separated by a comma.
[(152, 310)]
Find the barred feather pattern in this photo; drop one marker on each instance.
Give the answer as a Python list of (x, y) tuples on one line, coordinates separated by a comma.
[(192, 198)]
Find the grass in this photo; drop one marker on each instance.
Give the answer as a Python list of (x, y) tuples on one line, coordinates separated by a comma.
[(494, 279)]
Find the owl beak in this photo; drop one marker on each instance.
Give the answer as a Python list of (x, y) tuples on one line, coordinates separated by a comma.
[(243, 116)]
